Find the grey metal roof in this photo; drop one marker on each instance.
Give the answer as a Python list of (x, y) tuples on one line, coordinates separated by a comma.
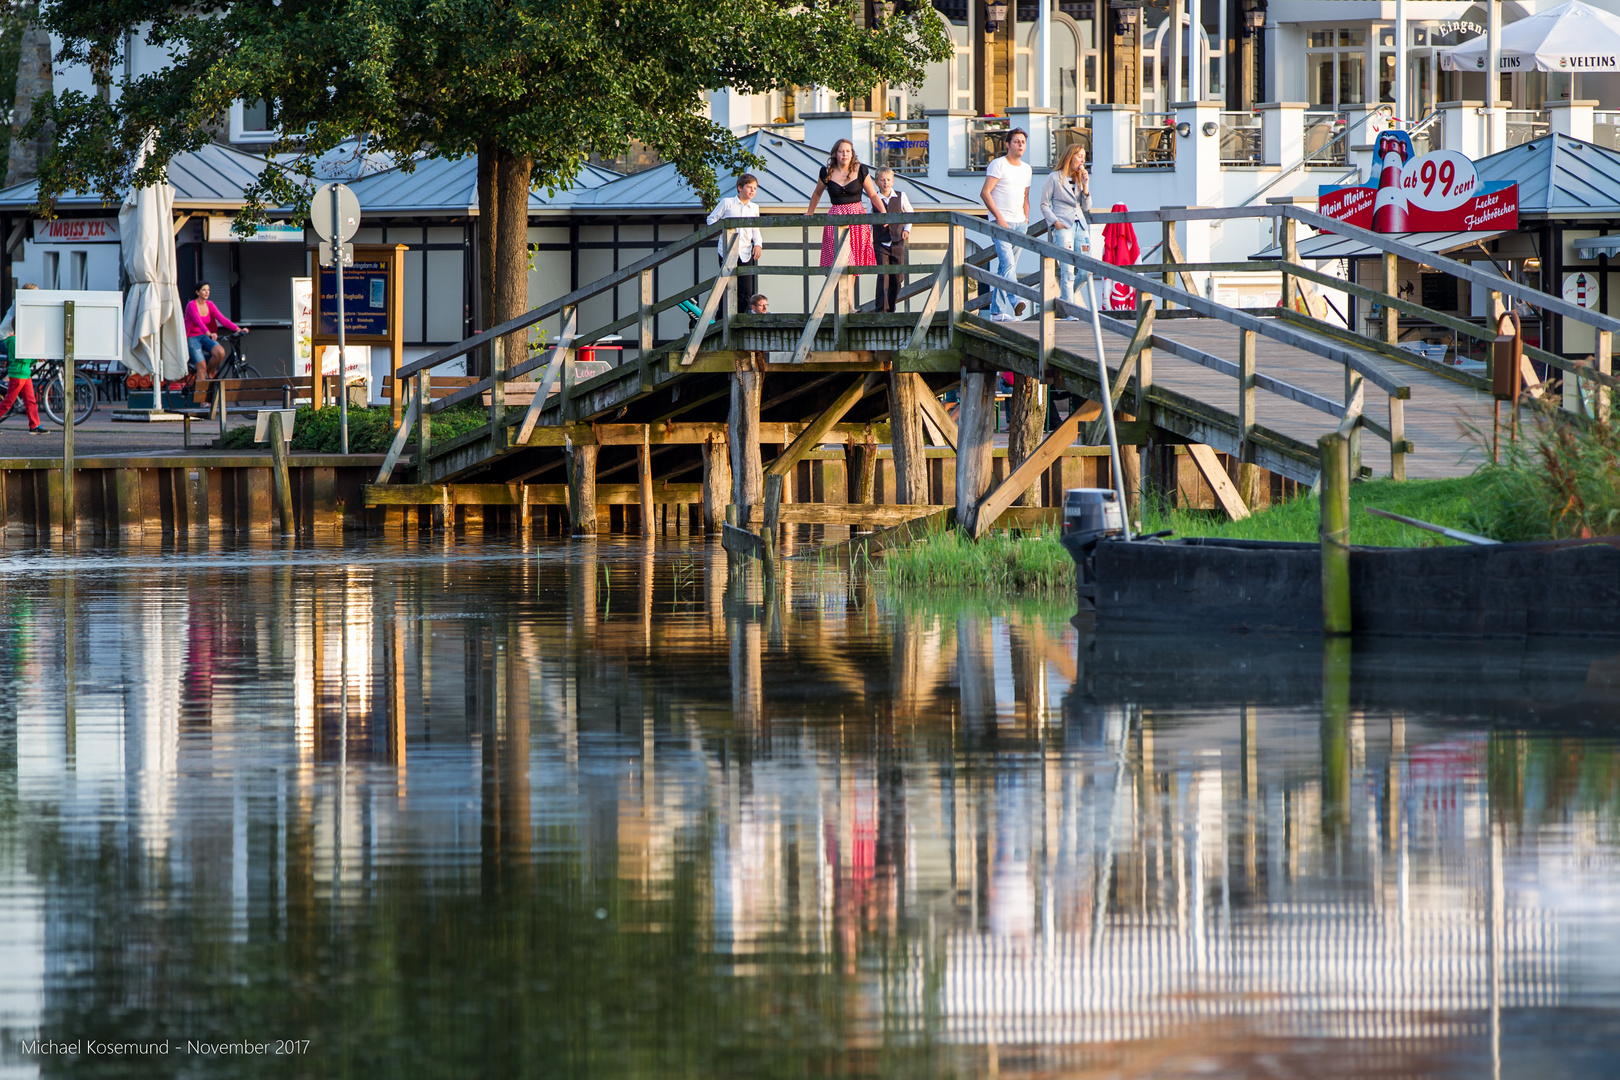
[(1333, 246), (785, 183), (1559, 176), (212, 178), (436, 185)]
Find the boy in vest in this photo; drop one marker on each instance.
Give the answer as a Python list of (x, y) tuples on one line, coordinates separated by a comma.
[(891, 239), (20, 372)]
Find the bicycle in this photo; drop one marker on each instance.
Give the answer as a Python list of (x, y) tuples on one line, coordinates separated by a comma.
[(235, 365), (47, 377)]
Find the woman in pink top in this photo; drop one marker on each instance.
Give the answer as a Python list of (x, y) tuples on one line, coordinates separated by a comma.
[(203, 321)]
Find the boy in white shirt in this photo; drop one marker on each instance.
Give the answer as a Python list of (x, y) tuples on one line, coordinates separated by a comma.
[(891, 239), (1006, 196), (753, 242)]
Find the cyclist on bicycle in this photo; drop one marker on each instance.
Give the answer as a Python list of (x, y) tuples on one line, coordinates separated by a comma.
[(20, 372), (203, 320)]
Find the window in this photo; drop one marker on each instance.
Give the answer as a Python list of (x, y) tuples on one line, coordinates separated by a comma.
[(259, 116), (53, 270), (78, 270), (1335, 63), (255, 121)]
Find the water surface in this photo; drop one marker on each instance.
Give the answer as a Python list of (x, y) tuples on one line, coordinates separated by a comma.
[(594, 810)]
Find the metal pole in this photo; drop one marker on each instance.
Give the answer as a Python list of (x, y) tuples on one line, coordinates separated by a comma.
[(1043, 57), (1108, 411), (1195, 59), (343, 359), (1402, 111), (69, 499), (1493, 67)]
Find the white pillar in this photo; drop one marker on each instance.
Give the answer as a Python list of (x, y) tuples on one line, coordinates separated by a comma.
[(1493, 77), (1172, 83), (947, 145), (1043, 56), (1112, 129), (1195, 66), (1572, 118), (821, 130), (1462, 128), (1282, 131), (1038, 123), (1403, 108)]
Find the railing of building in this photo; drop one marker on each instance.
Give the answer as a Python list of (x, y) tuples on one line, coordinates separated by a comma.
[(1241, 140), (1523, 125), (637, 157), (986, 141), (1323, 144), (1606, 129), (790, 130), (1068, 131), (901, 145), (1153, 145), (1426, 134)]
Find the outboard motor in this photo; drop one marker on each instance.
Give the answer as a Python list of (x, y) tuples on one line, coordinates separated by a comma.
[(1090, 515)]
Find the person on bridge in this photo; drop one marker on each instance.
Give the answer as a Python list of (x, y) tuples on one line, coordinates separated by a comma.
[(203, 321), (1006, 196), (753, 241), (1066, 204), (892, 239), (845, 180)]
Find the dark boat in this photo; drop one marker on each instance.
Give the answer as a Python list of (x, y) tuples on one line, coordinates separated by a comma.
[(1565, 587)]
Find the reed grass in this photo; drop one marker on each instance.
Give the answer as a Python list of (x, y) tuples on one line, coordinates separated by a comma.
[(1559, 481), (317, 431), (1000, 564)]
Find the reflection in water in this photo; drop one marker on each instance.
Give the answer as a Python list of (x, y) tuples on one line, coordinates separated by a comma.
[(596, 809)]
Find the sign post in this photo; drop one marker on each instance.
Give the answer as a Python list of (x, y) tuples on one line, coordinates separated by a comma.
[(373, 302), (335, 213), (70, 516)]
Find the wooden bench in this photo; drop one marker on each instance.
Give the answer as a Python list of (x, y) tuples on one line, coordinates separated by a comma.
[(217, 397)]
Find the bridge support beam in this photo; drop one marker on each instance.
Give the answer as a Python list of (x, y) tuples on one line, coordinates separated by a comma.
[(1026, 423), (716, 482), (974, 433), (582, 489), (906, 392), (747, 472)]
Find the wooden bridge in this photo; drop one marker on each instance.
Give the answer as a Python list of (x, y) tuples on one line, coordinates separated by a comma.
[(736, 412)]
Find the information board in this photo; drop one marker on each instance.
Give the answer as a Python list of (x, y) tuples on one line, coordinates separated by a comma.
[(365, 300)]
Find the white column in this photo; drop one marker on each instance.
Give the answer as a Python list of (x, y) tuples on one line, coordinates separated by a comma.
[(1572, 118), (1172, 83), (1282, 131), (1112, 129), (1403, 108), (947, 145), (1493, 78), (1195, 65), (1462, 128), (1038, 123), (1043, 56)]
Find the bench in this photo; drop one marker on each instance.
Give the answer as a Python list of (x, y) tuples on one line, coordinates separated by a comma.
[(216, 397)]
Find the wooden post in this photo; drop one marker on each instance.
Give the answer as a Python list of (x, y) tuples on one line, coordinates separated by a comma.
[(1130, 467), (1392, 330), (742, 436), (644, 317), (1354, 404), (396, 328), (582, 489), (1335, 533), (974, 432), (716, 483), (497, 394), (1603, 360), (1248, 477), (644, 471), (1026, 423), (424, 424), (70, 505), (1290, 253), (283, 481), (1397, 438), (956, 289), (906, 437), (1167, 245), (1046, 340), (730, 303)]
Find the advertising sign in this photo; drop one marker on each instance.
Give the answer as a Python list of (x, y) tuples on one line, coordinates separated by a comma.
[(1581, 289), (1437, 192), (365, 300), (76, 231)]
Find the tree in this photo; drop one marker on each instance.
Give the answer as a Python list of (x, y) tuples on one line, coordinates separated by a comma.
[(532, 87)]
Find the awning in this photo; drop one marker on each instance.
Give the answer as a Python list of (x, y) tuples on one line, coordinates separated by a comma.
[(1590, 247), (1333, 246)]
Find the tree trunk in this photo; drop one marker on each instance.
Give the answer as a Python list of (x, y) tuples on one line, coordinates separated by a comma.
[(510, 257), (1026, 421), (489, 215), (975, 429)]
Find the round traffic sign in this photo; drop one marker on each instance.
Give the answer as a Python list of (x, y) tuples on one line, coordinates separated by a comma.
[(348, 211)]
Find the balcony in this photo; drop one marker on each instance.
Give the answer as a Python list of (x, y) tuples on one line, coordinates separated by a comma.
[(1153, 143), (1525, 125), (901, 145), (1241, 141), (1069, 131), (986, 141), (1606, 129), (1323, 142)]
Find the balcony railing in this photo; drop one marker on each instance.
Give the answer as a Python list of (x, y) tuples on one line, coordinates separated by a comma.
[(1241, 141), (1606, 129), (1323, 142), (986, 141), (1426, 135), (791, 130), (901, 145), (1069, 131), (1154, 142), (1524, 125)]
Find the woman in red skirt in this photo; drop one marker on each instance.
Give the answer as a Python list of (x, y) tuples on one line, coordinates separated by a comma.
[(845, 180)]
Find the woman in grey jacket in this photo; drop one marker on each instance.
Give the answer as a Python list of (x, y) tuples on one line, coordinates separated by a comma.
[(1065, 204)]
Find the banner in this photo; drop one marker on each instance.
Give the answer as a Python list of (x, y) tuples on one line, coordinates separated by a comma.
[(1438, 192)]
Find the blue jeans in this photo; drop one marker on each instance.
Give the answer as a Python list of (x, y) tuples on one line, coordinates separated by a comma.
[(201, 347), (1064, 238), (1002, 301)]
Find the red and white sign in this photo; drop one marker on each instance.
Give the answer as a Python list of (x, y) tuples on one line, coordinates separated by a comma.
[(1439, 192), (76, 231)]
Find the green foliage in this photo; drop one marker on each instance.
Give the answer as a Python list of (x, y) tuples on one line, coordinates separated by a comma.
[(1000, 564), (319, 431), (546, 79), (1560, 480)]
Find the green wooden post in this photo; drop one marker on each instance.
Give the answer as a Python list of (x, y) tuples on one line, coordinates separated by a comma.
[(1335, 532), (283, 480), (70, 504)]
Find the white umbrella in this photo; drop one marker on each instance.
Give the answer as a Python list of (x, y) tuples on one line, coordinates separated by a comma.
[(1570, 38), (154, 321)]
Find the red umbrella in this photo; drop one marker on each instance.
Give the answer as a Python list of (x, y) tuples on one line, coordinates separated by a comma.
[(1120, 249)]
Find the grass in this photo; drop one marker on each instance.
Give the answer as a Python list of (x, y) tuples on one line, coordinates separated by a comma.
[(317, 431), (1001, 564), (1561, 480)]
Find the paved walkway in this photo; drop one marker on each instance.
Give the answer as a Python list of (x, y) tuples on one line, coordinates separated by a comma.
[(101, 436)]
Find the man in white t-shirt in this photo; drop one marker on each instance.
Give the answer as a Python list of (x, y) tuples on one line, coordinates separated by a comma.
[(1006, 196)]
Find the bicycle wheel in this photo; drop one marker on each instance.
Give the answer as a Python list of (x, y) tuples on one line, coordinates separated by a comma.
[(246, 371), (84, 400)]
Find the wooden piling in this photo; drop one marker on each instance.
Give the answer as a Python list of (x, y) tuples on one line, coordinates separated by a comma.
[(644, 476), (70, 501), (1026, 425), (906, 436), (283, 482), (582, 489), (747, 471), (974, 432), (716, 482), (1335, 532)]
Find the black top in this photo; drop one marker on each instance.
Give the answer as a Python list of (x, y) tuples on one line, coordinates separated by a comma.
[(844, 194)]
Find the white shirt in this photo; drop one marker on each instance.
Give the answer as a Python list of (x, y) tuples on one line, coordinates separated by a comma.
[(1012, 181), (905, 208), (733, 207)]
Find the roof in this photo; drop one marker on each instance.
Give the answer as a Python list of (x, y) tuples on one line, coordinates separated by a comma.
[(1334, 246), (1559, 176), (439, 185), (212, 178), (785, 184)]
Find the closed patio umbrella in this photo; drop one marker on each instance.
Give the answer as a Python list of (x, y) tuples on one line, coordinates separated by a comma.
[(1120, 248), (154, 320), (1570, 38)]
